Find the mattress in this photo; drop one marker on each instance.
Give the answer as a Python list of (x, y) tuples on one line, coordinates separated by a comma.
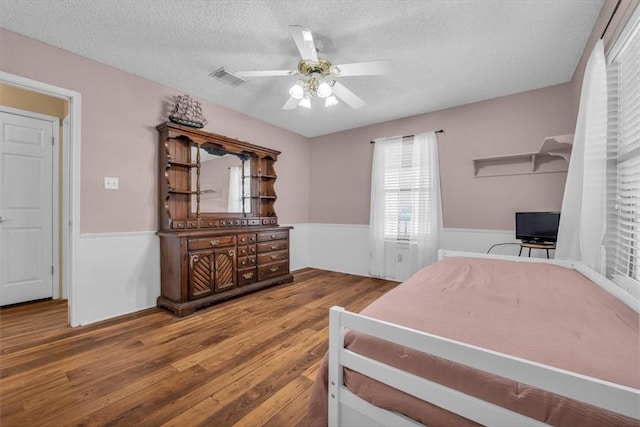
[(536, 311)]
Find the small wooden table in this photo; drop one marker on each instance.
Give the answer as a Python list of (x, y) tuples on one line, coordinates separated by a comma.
[(545, 246)]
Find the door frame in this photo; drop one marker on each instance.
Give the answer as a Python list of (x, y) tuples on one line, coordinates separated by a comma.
[(70, 182), (55, 190)]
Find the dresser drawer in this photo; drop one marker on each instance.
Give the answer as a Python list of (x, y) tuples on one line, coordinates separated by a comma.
[(247, 276), (269, 257), (272, 235), (192, 223), (273, 270), (208, 223), (211, 242), (276, 245), (246, 250), (244, 239), (246, 262)]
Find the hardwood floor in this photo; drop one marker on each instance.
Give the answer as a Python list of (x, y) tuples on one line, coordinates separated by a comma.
[(245, 362)]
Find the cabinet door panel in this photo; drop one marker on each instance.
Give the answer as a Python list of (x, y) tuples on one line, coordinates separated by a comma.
[(225, 267), (200, 277)]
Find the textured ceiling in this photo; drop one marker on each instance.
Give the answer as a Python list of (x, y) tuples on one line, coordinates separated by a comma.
[(444, 53)]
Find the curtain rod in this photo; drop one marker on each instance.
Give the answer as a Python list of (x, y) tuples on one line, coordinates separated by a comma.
[(615, 9), (409, 136)]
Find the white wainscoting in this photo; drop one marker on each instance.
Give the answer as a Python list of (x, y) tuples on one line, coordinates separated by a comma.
[(118, 273), (480, 241), (345, 247), (339, 247), (298, 246)]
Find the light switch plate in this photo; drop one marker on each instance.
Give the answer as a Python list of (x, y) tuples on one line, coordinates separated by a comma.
[(111, 183)]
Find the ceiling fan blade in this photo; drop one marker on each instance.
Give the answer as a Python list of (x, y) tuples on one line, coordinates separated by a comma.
[(371, 68), (304, 42), (350, 98), (291, 103), (266, 73)]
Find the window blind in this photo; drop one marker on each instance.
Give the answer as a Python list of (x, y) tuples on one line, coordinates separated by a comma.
[(623, 165), (406, 191)]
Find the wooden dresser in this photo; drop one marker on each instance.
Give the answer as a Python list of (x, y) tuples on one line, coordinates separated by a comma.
[(238, 247)]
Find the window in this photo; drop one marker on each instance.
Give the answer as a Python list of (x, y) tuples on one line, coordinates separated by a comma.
[(405, 225), (623, 166), (406, 190)]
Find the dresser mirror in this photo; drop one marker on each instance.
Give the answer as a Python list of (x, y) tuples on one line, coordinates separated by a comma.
[(222, 182)]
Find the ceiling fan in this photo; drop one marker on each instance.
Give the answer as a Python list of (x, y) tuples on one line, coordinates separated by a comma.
[(317, 75)]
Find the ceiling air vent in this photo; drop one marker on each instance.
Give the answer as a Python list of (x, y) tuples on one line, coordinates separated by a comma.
[(227, 77)]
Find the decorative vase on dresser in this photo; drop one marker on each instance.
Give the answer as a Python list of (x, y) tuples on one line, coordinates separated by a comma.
[(219, 233)]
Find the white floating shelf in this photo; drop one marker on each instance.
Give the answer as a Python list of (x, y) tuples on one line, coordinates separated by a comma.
[(553, 156)]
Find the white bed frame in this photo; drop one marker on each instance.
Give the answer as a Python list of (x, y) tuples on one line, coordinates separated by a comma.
[(346, 409)]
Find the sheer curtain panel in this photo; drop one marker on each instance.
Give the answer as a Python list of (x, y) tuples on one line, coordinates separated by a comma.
[(583, 219), (405, 229), (235, 188)]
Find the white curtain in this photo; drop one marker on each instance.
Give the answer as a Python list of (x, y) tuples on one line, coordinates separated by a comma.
[(235, 188), (583, 216), (405, 230)]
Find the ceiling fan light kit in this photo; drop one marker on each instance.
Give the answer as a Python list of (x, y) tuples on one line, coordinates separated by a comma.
[(330, 101), (305, 102), (324, 90), (315, 75), (296, 91)]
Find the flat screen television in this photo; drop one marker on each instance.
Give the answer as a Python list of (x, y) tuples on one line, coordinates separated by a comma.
[(537, 227)]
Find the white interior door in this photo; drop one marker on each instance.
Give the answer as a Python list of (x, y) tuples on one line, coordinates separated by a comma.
[(26, 207)]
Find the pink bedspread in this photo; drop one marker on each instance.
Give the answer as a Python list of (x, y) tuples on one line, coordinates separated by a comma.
[(539, 312)]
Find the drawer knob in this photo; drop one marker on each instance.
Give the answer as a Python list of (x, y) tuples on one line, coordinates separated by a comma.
[(214, 242), (275, 268), (273, 236), (248, 275), (274, 246), (275, 256)]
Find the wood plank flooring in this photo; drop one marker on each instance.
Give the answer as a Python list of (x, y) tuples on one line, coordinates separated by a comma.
[(246, 362)]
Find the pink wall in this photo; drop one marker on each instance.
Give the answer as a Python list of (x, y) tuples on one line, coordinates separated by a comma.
[(340, 169), (119, 115)]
